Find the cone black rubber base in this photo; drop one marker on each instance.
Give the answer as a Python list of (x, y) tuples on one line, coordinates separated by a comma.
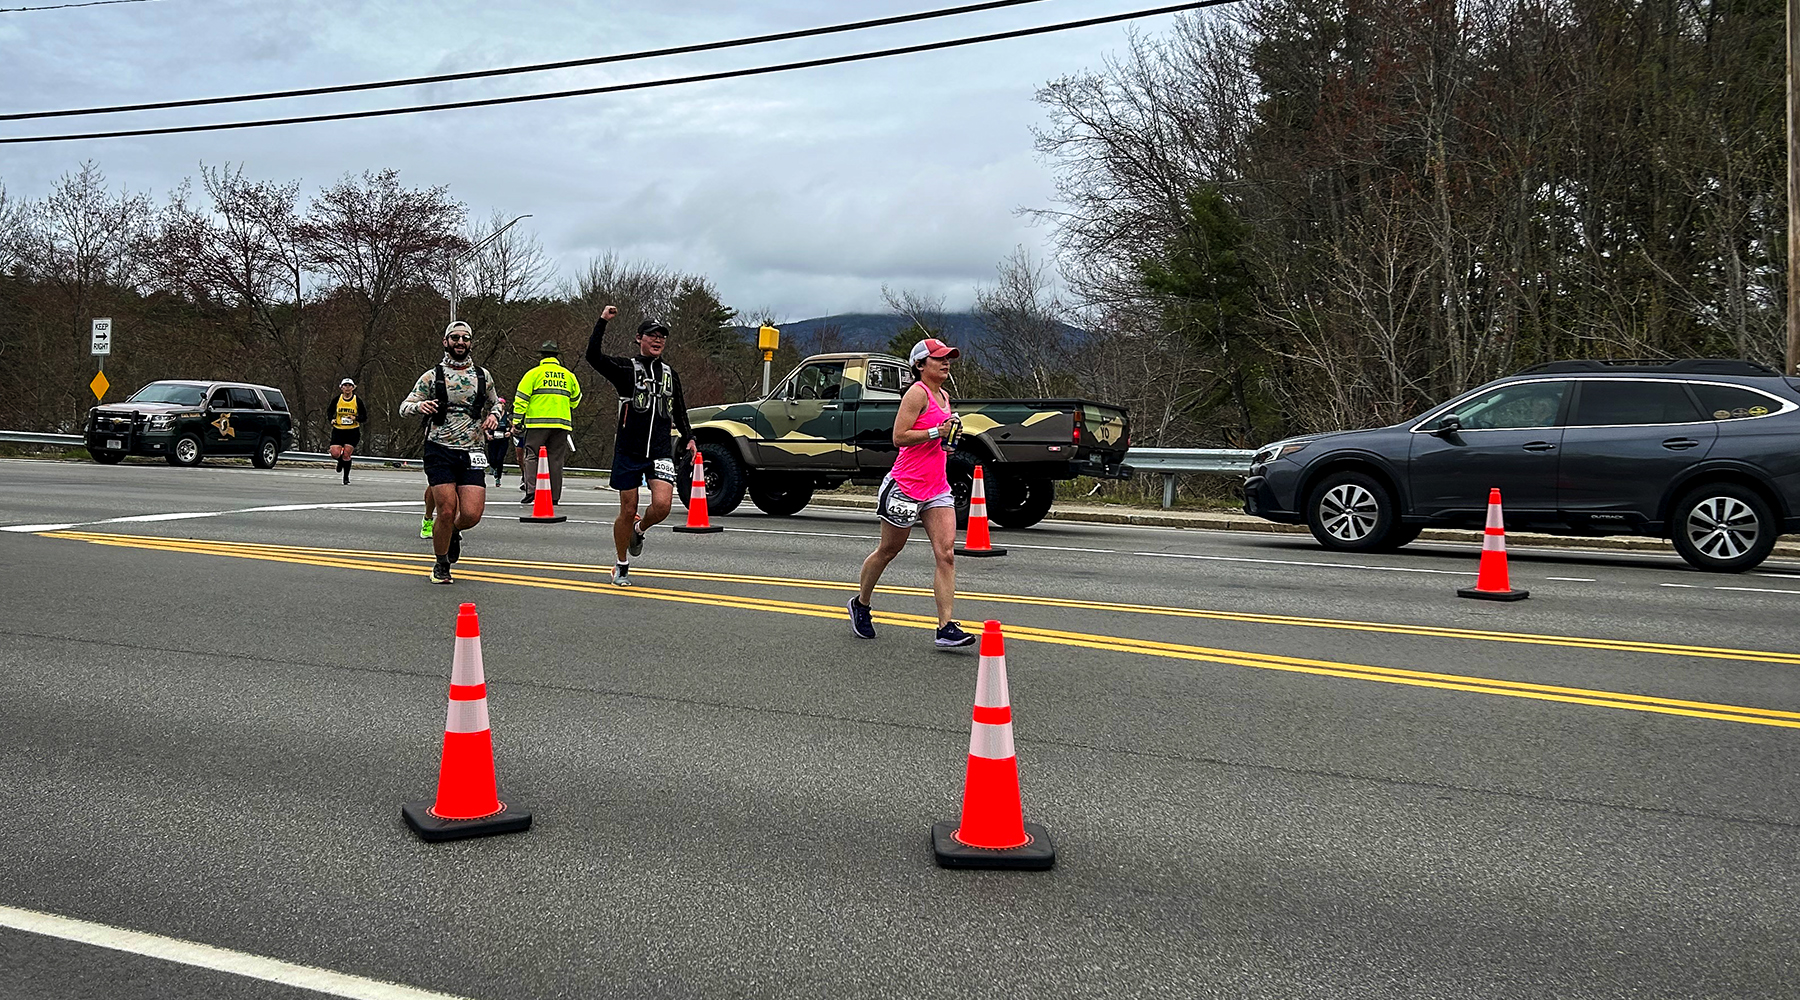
[(510, 819), (709, 529), (1037, 855), (1493, 595), (552, 519), (978, 553)]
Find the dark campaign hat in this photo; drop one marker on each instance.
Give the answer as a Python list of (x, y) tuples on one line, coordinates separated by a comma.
[(548, 348)]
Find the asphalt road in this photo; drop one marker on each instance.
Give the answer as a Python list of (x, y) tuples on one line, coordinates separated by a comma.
[(1270, 771)]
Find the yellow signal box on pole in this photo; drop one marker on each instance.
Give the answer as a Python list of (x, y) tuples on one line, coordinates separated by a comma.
[(767, 340)]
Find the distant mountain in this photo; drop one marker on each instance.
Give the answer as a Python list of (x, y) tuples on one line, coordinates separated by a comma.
[(872, 331)]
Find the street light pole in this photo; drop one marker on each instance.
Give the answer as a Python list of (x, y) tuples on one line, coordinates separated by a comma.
[(456, 265)]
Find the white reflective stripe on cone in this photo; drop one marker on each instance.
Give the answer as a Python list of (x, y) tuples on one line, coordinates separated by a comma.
[(989, 741), (990, 683), (466, 716), (465, 665), (978, 508), (1494, 543), (1494, 519)]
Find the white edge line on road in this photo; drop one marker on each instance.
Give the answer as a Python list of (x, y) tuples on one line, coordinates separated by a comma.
[(1759, 590), (192, 514), (1681, 586), (1572, 579), (205, 956)]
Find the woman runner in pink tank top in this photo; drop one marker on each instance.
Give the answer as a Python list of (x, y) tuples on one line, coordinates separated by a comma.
[(918, 490)]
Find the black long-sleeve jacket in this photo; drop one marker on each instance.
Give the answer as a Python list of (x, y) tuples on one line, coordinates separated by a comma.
[(651, 406)]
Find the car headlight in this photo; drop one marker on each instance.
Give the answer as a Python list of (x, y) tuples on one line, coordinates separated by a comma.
[(162, 421), (1275, 451)]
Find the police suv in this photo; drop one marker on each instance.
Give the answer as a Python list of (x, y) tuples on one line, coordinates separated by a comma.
[(187, 421)]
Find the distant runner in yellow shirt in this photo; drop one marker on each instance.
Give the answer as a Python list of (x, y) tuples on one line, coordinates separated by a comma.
[(347, 415)]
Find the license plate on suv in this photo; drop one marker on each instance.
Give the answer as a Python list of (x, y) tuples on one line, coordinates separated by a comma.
[(115, 444)]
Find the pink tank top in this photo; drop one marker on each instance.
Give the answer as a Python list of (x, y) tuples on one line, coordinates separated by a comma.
[(920, 468)]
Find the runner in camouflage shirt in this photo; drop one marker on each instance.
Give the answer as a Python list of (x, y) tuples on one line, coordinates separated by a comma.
[(455, 443)]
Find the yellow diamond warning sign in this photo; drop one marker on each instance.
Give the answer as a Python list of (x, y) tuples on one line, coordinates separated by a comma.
[(99, 385)]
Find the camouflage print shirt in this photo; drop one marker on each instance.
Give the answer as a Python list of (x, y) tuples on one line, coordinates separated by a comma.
[(461, 429)]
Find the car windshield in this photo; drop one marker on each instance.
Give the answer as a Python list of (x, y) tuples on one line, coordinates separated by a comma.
[(169, 392)]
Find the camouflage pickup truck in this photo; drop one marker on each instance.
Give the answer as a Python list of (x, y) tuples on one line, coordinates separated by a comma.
[(831, 421)]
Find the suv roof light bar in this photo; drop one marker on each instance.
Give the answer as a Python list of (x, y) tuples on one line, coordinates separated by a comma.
[(1690, 366)]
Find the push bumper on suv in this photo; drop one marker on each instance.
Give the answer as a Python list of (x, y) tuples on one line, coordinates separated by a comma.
[(125, 434)]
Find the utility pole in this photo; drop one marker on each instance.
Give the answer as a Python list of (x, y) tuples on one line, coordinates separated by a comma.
[(1793, 192)]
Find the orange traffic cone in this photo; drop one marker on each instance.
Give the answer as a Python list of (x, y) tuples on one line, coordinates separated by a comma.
[(992, 832), (697, 522), (975, 539), (543, 511), (468, 804), (1490, 581)]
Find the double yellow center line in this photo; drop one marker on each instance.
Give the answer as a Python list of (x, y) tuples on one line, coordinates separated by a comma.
[(476, 569)]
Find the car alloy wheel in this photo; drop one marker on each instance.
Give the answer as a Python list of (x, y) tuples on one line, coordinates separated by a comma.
[(1349, 512), (1723, 527), (187, 451)]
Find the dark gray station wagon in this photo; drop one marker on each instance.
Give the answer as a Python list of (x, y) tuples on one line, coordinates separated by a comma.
[(1704, 452), (187, 421)]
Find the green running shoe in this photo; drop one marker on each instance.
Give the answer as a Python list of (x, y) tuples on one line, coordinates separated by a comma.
[(425, 528)]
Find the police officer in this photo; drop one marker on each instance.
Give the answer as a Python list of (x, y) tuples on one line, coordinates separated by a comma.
[(347, 416), (651, 408), (547, 395)]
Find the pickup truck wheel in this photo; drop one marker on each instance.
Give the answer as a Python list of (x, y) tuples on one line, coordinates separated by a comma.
[(779, 496), (186, 450), (105, 457), (961, 473), (724, 480), (1019, 503), (267, 451)]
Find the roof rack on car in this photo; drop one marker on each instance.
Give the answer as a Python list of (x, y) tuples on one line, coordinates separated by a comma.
[(1688, 366)]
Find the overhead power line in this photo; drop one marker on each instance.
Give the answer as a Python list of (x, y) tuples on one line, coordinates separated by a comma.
[(479, 74), (638, 85), (66, 6)]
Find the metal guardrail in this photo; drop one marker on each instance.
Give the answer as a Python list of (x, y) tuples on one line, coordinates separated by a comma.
[(32, 437), (1165, 462), (78, 441), (1171, 462)]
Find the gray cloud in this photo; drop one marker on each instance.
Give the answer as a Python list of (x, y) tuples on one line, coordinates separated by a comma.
[(803, 192)]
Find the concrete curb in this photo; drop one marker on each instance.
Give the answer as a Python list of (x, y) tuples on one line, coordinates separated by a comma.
[(1216, 521)]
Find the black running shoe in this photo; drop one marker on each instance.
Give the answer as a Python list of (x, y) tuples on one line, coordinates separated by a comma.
[(526, 498), (862, 622), (636, 547), (621, 574), (440, 572), (455, 545), (950, 635)]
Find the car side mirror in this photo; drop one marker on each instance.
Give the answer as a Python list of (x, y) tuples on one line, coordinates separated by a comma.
[(1447, 426)]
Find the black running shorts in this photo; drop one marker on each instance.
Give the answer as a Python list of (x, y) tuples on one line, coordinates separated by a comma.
[(628, 472), (445, 466)]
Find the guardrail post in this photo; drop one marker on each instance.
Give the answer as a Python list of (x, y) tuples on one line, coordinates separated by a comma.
[(1168, 490)]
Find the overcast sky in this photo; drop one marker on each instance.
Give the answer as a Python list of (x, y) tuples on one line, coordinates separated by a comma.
[(800, 192)]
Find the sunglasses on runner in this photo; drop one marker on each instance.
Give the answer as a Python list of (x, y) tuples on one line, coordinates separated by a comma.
[(459, 338)]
